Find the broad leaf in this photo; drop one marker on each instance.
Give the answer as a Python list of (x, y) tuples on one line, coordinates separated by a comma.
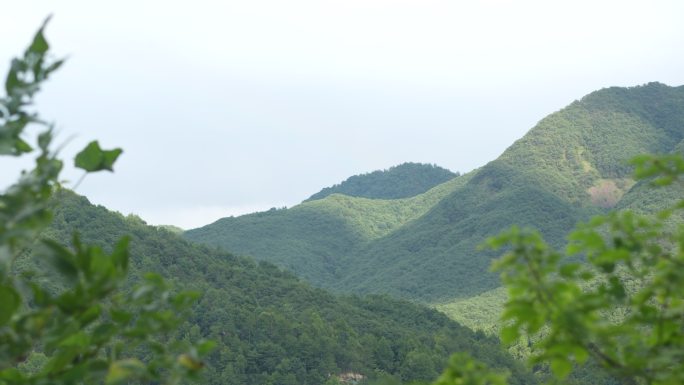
[(93, 158), (9, 303)]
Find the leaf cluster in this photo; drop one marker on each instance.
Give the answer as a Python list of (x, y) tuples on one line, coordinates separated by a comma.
[(623, 308)]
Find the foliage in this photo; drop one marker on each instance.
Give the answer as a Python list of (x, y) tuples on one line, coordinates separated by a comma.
[(88, 331), (402, 181), (623, 308)]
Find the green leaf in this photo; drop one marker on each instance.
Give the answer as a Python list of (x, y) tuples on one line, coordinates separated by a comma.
[(12, 375), (569, 270), (12, 80), (40, 44), (104, 332), (509, 334), (54, 66), (581, 354), (21, 146), (121, 317), (9, 303), (78, 340), (120, 371), (120, 253), (561, 367), (60, 360), (90, 315), (189, 363), (205, 347), (62, 259), (93, 158)]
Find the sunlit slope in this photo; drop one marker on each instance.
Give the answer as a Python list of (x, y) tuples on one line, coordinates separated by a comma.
[(314, 239), (479, 312), (571, 165), (270, 326)]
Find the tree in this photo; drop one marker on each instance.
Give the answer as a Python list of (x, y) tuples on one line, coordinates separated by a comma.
[(86, 329), (615, 296)]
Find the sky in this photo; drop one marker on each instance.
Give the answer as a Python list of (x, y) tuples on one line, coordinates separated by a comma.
[(229, 107)]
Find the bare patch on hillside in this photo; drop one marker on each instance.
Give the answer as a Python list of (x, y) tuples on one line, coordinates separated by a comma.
[(607, 193)]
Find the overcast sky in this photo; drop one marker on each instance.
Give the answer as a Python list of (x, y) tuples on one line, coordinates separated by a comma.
[(227, 107)]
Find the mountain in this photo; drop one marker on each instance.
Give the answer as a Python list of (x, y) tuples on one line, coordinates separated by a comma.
[(571, 165), (312, 238), (402, 181), (270, 326)]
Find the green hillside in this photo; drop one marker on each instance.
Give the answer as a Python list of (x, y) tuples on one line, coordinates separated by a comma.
[(313, 238), (272, 327), (479, 312), (571, 165), (402, 181), (482, 311)]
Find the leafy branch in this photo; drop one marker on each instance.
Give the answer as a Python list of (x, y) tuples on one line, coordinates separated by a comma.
[(89, 329)]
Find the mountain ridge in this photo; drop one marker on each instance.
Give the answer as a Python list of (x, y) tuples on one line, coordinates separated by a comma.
[(401, 181), (568, 167)]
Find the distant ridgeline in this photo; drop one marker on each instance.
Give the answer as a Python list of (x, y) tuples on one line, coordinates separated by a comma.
[(571, 165), (272, 328), (402, 181)]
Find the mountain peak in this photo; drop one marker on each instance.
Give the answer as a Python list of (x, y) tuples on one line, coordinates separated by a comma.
[(401, 181)]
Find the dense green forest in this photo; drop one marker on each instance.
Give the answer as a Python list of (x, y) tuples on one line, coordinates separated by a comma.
[(570, 166), (402, 181), (312, 238), (270, 326)]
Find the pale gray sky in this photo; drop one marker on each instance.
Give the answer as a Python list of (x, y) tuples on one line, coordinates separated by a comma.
[(226, 107)]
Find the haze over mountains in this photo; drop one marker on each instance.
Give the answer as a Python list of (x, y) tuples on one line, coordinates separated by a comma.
[(571, 165)]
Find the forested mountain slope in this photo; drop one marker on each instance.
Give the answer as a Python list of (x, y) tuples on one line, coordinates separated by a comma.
[(482, 312), (402, 181), (571, 165), (272, 327), (313, 238)]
